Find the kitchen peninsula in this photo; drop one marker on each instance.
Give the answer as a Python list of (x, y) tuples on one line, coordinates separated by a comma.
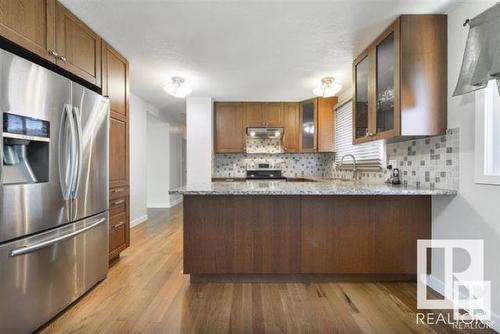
[(326, 229)]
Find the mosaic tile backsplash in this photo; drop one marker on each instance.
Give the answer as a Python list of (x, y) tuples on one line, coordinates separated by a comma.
[(292, 165), (431, 162)]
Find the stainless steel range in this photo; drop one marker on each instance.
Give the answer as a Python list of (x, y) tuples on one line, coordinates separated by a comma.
[(53, 193), (264, 171)]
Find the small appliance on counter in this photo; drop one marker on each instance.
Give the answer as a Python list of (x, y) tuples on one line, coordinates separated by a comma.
[(395, 176), (264, 171)]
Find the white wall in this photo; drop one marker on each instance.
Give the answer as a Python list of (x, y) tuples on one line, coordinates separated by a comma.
[(138, 131), (155, 159), (164, 157), (175, 167), (475, 212), (158, 163), (199, 128)]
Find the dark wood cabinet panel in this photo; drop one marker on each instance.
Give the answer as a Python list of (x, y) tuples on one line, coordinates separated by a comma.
[(225, 234), (115, 83), (30, 24), (400, 88), (291, 127), (78, 46), (345, 235), (370, 234), (326, 124), (229, 127), (118, 153)]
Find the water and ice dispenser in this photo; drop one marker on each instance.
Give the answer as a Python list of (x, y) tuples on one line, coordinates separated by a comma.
[(25, 149)]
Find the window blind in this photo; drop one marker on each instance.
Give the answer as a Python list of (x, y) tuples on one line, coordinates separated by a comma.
[(369, 156)]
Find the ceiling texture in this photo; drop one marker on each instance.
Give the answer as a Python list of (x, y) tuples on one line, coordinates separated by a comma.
[(241, 50)]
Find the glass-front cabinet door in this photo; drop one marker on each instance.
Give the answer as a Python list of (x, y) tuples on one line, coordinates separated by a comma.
[(387, 72), (308, 128), (361, 98), (385, 84)]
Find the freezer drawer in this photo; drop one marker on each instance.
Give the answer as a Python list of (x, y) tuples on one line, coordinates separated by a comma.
[(42, 274)]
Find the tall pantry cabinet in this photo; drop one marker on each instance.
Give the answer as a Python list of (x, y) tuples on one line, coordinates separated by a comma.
[(115, 85)]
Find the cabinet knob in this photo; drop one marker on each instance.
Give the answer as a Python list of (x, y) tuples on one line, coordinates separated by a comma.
[(62, 58), (54, 53)]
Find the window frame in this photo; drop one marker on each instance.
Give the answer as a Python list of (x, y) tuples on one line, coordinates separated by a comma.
[(480, 177)]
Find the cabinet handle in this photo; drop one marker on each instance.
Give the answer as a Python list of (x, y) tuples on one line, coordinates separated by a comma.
[(118, 225), (119, 202), (118, 190), (54, 53)]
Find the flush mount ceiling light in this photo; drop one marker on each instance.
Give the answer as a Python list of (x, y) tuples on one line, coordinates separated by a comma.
[(328, 87), (178, 87)]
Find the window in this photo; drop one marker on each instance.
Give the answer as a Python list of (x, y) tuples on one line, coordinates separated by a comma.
[(369, 156), (487, 146)]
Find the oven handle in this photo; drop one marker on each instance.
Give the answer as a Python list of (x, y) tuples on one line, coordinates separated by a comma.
[(46, 243)]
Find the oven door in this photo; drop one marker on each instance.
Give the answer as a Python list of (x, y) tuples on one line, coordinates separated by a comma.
[(42, 274)]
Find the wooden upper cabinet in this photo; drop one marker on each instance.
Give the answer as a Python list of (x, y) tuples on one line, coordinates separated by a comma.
[(30, 24), (79, 48), (253, 115), (400, 81), (291, 126), (272, 114), (326, 124), (263, 114), (115, 83), (229, 127)]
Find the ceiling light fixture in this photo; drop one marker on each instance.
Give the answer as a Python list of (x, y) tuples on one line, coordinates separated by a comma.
[(328, 87), (178, 87)]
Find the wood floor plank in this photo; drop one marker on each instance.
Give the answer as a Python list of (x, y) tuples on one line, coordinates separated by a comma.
[(146, 292)]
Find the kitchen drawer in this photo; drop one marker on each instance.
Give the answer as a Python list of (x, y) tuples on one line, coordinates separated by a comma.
[(118, 206), (118, 232), (118, 192)]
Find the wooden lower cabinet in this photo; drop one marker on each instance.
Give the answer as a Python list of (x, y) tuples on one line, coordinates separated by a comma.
[(371, 235), (363, 234), (118, 234), (227, 234)]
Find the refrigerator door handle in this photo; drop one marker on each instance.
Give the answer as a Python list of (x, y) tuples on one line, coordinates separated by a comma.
[(79, 148), (46, 243), (66, 153)]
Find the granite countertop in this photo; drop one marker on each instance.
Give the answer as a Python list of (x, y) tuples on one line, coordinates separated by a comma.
[(321, 186)]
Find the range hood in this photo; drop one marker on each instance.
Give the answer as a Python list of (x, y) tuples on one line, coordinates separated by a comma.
[(269, 133)]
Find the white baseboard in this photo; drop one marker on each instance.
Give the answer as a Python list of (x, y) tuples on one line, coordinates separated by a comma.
[(157, 205), (174, 203), (138, 220), (439, 286), (164, 205)]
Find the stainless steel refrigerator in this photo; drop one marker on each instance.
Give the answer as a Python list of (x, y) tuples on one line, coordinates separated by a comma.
[(53, 193)]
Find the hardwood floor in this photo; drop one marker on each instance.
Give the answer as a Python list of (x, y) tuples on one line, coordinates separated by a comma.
[(146, 292)]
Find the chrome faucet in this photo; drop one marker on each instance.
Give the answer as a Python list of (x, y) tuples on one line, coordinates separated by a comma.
[(355, 167)]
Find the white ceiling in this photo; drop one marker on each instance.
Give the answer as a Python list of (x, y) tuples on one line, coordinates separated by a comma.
[(241, 50)]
